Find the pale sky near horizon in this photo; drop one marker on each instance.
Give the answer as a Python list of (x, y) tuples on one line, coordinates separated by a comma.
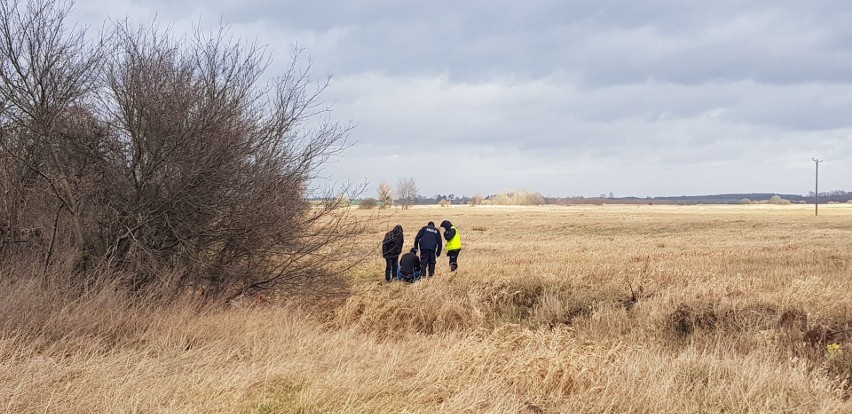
[(564, 97)]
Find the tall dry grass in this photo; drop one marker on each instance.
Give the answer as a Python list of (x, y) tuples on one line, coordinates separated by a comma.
[(539, 318)]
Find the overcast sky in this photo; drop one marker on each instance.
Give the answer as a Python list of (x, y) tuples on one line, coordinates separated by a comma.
[(565, 97)]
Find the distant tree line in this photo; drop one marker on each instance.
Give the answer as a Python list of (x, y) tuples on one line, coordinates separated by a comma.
[(737, 198), (406, 192)]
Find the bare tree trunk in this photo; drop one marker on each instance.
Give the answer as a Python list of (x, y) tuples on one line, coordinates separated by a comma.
[(69, 199), (49, 255)]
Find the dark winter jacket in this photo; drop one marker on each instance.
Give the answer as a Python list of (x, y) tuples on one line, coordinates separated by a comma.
[(392, 244), (428, 238), (449, 232), (409, 263)]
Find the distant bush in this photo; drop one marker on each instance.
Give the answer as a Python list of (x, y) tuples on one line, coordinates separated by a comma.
[(475, 200), (776, 199), (519, 198), (368, 204), (745, 201), (443, 202)]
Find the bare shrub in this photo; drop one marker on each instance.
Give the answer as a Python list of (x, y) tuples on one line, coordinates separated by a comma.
[(776, 199), (368, 204), (518, 198), (529, 198), (476, 200), (745, 201), (151, 154)]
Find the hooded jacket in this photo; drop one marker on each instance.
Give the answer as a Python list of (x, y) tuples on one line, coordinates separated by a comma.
[(450, 232), (392, 243)]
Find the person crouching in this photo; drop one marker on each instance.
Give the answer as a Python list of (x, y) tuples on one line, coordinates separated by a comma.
[(409, 267)]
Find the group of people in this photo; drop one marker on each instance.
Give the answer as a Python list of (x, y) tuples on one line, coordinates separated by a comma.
[(410, 267)]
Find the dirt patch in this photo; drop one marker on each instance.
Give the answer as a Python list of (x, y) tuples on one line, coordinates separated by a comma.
[(571, 315), (578, 312), (793, 319), (688, 318), (822, 335), (829, 348), (514, 302), (534, 409)]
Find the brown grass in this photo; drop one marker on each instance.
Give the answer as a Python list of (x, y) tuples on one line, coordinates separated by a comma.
[(734, 309)]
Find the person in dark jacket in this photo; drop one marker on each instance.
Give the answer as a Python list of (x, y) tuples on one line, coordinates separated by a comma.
[(391, 248), (428, 240), (453, 237), (409, 267)]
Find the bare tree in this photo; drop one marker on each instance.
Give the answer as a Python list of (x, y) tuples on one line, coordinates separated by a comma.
[(406, 191), (157, 154), (214, 168), (385, 194), (368, 203), (44, 72)]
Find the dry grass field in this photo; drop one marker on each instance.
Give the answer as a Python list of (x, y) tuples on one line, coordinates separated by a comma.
[(735, 309)]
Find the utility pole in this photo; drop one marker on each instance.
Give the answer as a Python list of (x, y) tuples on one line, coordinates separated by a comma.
[(816, 188)]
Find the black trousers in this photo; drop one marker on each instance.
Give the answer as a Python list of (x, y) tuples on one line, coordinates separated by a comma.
[(427, 262), (454, 259), (391, 266)]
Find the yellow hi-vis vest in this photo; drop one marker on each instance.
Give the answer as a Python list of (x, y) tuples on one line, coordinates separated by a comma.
[(455, 242)]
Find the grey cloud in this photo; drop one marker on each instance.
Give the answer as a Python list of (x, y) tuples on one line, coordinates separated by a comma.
[(580, 97), (607, 42), (691, 129), (490, 109)]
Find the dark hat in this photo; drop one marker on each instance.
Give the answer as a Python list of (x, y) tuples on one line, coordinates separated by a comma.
[(431, 223), (446, 224)]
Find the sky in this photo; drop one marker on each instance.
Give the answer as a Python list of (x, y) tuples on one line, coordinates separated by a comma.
[(567, 98)]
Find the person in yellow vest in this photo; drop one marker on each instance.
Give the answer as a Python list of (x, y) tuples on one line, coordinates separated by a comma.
[(453, 247)]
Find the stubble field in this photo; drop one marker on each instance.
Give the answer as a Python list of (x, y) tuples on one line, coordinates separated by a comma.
[(732, 309)]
